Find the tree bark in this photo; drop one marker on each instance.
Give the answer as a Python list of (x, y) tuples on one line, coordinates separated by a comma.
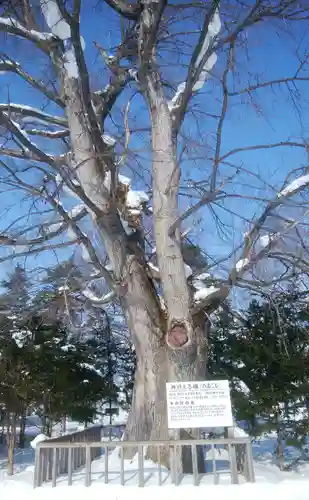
[(158, 363), (11, 443), (23, 421)]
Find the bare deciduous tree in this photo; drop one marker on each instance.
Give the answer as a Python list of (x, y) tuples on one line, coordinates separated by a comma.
[(166, 308)]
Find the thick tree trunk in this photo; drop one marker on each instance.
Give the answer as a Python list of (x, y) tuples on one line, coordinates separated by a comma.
[(158, 363)]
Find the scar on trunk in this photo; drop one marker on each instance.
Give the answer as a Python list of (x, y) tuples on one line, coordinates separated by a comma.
[(177, 336)]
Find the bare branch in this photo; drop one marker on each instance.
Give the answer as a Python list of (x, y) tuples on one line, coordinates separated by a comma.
[(221, 119), (264, 146), (202, 61), (82, 238), (7, 64), (23, 241), (270, 83)]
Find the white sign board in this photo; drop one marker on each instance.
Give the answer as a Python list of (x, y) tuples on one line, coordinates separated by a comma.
[(199, 404)]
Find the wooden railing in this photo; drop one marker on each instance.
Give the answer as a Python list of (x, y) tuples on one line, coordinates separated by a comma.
[(74, 450), (66, 454)]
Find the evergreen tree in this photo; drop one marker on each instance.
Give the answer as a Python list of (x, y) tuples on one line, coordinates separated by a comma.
[(266, 358), (16, 290), (59, 296)]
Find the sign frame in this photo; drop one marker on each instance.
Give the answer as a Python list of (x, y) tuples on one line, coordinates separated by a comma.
[(199, 404)]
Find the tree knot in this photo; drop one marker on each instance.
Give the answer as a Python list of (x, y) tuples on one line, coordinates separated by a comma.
[(178, 334)]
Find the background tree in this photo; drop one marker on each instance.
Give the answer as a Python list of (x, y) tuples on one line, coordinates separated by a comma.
[(82, 141), (266, 358)]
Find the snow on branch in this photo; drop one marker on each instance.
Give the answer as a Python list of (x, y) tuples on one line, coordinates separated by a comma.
[(205, 293), (48, 231), (34, 115), (86, 245), (49, 134), (104, 299), (25, 251), (241, 264), (14, 27), (77, 211), (204, 289), (263, 243), (136, 199), (202, 62), (7, 64), (22, 137), (295, 186)]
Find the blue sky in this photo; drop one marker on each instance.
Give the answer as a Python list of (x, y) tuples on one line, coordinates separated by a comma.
[(269, 117)]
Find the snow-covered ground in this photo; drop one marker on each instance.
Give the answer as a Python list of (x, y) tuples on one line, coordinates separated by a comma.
[(271, 484)]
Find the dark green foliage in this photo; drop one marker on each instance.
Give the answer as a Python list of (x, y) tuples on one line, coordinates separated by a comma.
[(266, 357), (194, 256), (46, 371), (47, 368)]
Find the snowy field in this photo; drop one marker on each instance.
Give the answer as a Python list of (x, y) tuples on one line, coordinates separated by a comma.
[(271, 484)]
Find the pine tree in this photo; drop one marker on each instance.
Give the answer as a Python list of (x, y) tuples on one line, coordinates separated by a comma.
[(267, 360), (59, 296)]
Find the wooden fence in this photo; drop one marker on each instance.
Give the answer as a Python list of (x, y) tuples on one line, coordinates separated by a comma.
[(55, 458), (66, 454)]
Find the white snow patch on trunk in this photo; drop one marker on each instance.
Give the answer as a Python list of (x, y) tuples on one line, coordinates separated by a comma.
[(124, 180), (70, 63), (136, 198), (54, 20), (188, 271), (204, 293), (241, 264)]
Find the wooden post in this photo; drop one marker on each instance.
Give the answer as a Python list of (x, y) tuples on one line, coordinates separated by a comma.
[(88, 467), (106, 464), (70, 470), (141, 478), (54, 472), (194, 464), (233, 465), (159, 465), (121, 467), (36, 479)]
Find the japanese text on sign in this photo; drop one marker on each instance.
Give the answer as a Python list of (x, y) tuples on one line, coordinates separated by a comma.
[(199, 404)]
